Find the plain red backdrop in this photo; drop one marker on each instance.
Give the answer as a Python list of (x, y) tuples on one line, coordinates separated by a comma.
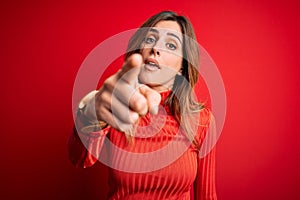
[(255, 44)]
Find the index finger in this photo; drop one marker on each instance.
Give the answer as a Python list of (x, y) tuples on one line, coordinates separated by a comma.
[(131, 69)]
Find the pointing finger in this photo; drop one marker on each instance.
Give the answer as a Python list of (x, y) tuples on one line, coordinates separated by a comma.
[(153, 98), (131, 69)]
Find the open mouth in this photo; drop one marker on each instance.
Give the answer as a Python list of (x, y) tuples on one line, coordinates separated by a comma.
[(151, 64)]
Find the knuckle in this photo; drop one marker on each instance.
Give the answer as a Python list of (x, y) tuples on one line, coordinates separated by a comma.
[(102, 99), (139, 103), (104, 96), (134, 117), (107, 83), (98, 96), (110, 82), (155, 97)]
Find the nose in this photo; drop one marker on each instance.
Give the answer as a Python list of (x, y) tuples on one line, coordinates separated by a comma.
[(155, 51)]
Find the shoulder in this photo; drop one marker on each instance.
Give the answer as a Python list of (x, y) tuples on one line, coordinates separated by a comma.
[(204, 124), (205, 117)]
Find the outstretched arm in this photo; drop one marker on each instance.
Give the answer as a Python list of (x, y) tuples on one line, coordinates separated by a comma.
[(87, 138), (119, 103)]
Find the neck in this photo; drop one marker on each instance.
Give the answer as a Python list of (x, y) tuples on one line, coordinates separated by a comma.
[(161, 88)]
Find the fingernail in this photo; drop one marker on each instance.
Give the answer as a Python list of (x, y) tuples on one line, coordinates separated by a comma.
[(154, 110)]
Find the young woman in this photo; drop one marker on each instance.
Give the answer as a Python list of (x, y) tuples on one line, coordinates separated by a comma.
[(145, 121)]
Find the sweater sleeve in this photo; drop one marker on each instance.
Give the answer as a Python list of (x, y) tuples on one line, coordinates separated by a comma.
[(85, 143), (205, 184), (84, 148)]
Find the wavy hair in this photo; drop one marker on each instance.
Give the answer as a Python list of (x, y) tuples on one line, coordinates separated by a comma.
[(181, 100)]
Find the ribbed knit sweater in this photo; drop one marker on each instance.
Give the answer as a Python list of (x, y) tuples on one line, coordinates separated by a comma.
[(160, 163)]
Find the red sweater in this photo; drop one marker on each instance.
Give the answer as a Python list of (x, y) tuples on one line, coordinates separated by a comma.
[(160, 163)]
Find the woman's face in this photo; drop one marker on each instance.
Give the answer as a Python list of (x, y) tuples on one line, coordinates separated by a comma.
[(162, 55)]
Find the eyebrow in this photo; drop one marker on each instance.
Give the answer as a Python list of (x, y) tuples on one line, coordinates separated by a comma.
[(171, 34)]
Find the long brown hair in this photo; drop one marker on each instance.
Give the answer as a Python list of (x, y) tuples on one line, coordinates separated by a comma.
[(181, 100)]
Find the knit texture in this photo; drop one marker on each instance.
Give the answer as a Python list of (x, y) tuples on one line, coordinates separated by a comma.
[(160, 162)]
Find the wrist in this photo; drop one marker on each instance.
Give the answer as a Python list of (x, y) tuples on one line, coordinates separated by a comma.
[(87, 121), (94, 127)]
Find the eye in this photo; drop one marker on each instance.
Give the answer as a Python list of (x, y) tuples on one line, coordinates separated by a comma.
[(171, 46), (150, 40)]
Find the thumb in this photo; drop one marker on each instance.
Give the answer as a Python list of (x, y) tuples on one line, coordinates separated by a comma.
[(153, 98)]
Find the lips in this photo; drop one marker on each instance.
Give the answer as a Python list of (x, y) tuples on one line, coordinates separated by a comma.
[(151, 64)]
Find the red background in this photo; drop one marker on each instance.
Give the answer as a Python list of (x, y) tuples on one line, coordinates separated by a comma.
[(255, 44)]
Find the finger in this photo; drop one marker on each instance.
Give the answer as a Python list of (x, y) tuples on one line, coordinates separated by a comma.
[(131, 69), (138, 103), (131, 97), (153, 98), (122, 111), (110, 82), (116, 107), (114, 121), (102, 102)]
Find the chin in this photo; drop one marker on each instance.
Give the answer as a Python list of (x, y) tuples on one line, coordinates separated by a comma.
[(154, 83), (149, 81)]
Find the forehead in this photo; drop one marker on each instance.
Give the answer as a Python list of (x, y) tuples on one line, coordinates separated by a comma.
[(171, 26)]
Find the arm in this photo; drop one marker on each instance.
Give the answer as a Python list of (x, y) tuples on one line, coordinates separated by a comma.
[(119, 102), (85, 144), (205, 184)]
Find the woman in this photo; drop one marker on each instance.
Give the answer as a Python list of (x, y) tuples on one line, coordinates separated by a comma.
[(148, 108)]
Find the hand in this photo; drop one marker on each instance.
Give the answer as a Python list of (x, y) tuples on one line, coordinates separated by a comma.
[(122, 100)]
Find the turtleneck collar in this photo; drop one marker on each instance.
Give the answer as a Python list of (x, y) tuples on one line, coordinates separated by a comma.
[(164, 95)]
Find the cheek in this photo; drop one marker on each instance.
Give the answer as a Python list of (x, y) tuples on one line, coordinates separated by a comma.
[(174, 61)]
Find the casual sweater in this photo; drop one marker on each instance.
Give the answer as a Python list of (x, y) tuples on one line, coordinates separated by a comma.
[(159, 163)]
